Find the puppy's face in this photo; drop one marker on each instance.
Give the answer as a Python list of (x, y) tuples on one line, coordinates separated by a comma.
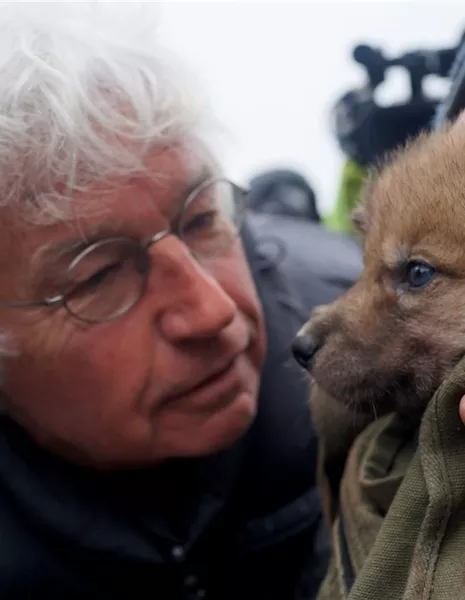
[(390, 340)]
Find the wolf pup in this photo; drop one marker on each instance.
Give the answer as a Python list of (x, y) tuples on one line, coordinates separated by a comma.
[(387, 343)]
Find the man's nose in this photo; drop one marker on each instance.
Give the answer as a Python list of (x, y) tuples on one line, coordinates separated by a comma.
[(195, 304), (304, 348)]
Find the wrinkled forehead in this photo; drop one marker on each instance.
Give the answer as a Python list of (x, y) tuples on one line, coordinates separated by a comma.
[(134, 206)]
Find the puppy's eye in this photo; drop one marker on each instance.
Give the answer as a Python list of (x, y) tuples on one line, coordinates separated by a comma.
[(419, 274)]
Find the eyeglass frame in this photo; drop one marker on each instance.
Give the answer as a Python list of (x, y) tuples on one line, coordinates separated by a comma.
[(61, 299)]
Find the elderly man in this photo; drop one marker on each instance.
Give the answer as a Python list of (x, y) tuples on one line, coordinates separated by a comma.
[(137, 457)]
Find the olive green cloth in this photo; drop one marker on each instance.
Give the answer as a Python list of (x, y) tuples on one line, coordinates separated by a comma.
[(350, 188), (399, 528)]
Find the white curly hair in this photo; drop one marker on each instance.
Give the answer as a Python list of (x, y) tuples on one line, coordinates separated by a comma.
[(86, 90)]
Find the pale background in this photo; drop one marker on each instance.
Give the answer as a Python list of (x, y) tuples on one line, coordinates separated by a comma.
[(273, 70)]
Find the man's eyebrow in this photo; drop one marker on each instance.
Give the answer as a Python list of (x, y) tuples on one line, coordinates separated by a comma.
[(47, 253)]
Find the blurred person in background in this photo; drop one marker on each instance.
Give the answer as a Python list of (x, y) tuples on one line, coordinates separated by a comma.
[(284, 217), (283, 192), (155, 437)]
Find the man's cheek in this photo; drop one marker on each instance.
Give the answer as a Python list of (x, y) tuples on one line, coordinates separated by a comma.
[(233, 275)]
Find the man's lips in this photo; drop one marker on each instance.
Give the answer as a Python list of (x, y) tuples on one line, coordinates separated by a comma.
[(215, 384), (210, 379)]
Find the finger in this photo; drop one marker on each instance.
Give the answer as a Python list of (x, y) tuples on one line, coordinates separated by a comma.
[(462, 409)]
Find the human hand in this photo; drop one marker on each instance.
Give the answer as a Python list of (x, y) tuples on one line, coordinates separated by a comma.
[(462, 409)]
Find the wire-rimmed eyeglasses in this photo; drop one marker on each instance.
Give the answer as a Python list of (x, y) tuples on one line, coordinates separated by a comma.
[(106, 279)]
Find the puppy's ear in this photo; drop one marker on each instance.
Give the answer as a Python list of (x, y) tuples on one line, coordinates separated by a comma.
[(359, 215), (359, 219), (459, 122)]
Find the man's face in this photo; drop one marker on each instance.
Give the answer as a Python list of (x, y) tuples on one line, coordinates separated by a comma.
[(176, 376)]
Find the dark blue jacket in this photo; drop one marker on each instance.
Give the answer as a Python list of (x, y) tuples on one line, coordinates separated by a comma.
[(245, 524)]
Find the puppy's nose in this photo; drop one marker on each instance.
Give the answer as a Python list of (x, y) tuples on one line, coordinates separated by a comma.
[(304, 347)]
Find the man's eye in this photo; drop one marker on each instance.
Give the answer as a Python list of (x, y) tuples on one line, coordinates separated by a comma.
[(201, 221), (419, 274), (95, 281)]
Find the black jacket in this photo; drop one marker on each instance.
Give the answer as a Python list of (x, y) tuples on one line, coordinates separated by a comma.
[(318, 263), (243, 524)]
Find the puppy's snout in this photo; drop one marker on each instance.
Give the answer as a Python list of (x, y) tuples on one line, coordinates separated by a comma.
[(304, 348)]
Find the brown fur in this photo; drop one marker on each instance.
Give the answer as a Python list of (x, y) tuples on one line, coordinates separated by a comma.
[(382, 346)]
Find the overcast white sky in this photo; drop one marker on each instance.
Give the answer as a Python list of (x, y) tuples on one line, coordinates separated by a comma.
[(273, 70)]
